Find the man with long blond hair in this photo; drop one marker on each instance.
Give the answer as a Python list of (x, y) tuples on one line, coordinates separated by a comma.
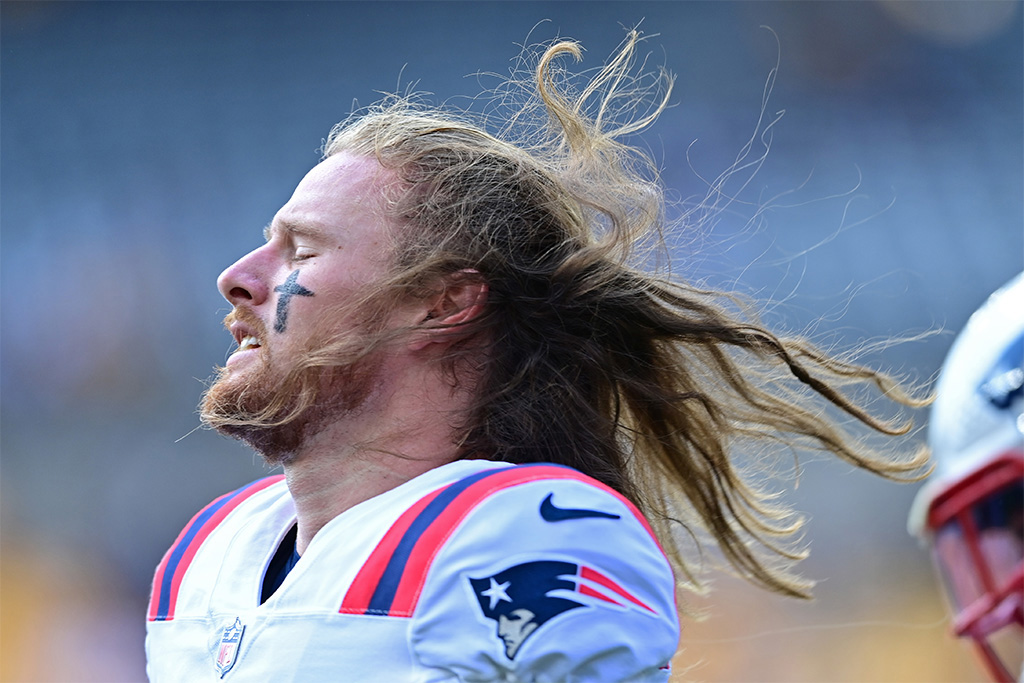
[(493, 419)]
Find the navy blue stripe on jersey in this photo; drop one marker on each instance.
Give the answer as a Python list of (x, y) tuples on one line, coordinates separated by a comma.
[(178, 552), (179, 557), (392, 578), (384, 594)]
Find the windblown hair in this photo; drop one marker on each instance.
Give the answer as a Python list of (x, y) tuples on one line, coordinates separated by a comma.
[(647, 384)]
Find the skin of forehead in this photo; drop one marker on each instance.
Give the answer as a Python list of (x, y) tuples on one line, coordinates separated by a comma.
[(343, 190)]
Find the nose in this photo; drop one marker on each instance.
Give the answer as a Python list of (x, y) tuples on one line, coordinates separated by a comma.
[(245, 280)]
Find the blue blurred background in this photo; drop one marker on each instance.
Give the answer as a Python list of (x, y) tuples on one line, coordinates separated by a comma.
[(145, 145)]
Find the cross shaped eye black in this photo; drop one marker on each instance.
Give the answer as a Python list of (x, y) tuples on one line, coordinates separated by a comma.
[(287, 290)]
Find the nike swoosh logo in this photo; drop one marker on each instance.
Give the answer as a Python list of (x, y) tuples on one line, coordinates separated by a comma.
[(552, 513)]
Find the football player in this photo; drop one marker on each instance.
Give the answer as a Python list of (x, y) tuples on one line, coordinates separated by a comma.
[(972, 512), (489, 413)]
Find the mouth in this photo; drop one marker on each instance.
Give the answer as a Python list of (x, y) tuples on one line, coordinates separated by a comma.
[(247, 335), (248, 342)]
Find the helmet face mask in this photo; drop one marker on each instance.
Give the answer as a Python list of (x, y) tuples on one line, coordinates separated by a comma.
[(972, 512), (978, 546)]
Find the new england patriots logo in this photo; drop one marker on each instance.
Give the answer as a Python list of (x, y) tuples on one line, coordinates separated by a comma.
[(525, 596), (1004, 383)]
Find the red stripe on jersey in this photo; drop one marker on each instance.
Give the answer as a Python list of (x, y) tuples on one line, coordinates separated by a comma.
[(588, 591), (429, 543), (357, 599), (599, 578), (447, 522), (181, 553)]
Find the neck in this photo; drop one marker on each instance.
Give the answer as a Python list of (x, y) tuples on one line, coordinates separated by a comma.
[(393, 439)]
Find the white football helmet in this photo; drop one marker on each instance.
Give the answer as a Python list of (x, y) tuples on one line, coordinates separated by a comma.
[(972, 511)]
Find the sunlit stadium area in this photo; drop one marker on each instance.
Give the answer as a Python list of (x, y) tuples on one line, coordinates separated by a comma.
[(856, 168)]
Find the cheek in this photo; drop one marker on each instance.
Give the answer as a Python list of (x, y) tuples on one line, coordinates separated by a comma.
[(288, 290), (342, 295)]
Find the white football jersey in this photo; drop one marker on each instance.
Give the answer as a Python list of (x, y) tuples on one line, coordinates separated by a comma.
[(474, 571)]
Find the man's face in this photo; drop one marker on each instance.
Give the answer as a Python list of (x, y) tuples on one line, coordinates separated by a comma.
[(514, 628), (324, 247)]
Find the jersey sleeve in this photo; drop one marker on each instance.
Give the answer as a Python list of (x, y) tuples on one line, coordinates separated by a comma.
[(170, 573), (551, 579)]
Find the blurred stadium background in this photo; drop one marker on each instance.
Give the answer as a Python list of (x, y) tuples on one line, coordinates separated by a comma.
[(145, 145)]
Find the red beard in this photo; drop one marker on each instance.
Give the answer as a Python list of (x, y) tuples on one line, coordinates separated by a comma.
[(274, 409)]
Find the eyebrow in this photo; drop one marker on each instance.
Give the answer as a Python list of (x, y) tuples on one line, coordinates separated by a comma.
[(293, 229)]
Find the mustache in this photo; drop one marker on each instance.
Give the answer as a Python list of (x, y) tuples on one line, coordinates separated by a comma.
[(249, 319)]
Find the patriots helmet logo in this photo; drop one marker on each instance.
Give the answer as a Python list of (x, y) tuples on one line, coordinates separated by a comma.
[(1004, 383), (525, 596)]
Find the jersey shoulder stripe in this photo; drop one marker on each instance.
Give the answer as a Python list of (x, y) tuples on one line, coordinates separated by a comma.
[(172, 568), (390, 582)]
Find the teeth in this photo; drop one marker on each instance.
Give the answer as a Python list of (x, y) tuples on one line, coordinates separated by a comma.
[(248, 343)]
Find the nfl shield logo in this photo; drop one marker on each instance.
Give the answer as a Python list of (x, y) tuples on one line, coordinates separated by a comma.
[(227, 652)]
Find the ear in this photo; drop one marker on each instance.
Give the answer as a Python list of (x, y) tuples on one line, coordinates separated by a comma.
[(462, 298)]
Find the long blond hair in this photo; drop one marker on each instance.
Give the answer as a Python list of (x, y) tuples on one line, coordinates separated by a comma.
[(649, 384)]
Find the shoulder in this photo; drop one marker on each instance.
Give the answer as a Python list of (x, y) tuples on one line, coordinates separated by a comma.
[(505, 553), (544, 508), (176, 561), (537, 518), (526, 507)]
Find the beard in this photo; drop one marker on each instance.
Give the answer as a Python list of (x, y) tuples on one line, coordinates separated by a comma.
[(276, 409)]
